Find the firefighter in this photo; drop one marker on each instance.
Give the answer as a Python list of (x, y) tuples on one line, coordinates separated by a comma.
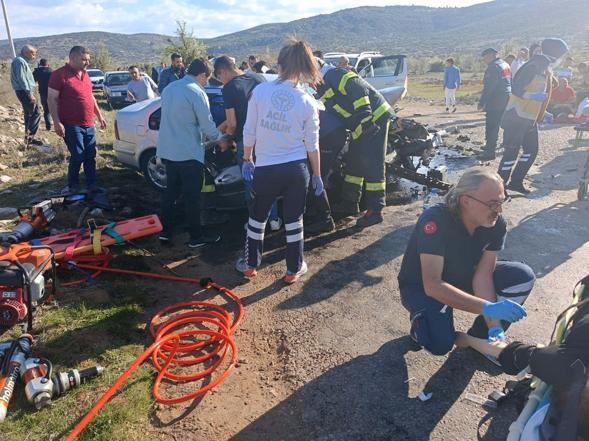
[(364, 112), (530, 96)]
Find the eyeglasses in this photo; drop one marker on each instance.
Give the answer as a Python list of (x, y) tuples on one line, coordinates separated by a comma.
[(493, 206)]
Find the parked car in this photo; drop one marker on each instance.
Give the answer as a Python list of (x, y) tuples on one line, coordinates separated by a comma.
[(97, 78), (136, 134), (115, 88), (387, 74)]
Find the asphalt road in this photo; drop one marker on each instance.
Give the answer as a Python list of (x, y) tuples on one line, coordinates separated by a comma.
[(328, 358)]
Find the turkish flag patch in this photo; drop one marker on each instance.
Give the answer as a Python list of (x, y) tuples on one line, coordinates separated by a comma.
[(430, 227)]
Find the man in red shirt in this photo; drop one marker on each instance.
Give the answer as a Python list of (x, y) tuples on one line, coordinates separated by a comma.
[(73, 107), (562, 98)]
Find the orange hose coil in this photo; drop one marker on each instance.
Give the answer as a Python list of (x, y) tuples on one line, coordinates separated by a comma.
[(171, 347)]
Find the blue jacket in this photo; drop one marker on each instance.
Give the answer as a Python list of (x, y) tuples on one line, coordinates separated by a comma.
[(185, 114), (452, 77), (168, 76)]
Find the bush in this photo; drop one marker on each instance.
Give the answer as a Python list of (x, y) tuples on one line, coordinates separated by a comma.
[(437, 66)]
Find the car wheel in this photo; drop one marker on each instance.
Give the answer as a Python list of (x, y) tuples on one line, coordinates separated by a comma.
[(154, 174)]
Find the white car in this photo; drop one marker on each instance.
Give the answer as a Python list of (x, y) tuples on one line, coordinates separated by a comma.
[(136, 134), (387, 74), (97, 78)]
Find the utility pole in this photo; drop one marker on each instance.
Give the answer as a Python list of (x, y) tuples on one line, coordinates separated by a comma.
[(8, 29)]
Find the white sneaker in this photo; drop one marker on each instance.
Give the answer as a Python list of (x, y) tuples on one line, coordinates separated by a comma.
[(292, 278), (276, 224)]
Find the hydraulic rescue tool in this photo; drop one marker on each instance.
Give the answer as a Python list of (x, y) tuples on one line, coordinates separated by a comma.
[(41, 386), (32, 220), (13, 357)]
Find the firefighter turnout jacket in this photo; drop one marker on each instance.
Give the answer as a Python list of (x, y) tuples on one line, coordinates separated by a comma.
[(357, 103)]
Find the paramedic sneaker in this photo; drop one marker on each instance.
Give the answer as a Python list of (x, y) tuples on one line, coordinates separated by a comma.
[(447, 109), (241, 266), (276, 224), (290, 278), (454, 109)]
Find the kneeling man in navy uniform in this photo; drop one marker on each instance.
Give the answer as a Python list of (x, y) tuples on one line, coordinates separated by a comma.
[(451, 262)]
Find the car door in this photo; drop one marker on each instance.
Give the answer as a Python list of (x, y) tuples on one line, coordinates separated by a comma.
[(385, 72)]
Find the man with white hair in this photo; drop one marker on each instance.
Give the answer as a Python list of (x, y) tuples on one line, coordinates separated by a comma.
[(451, 263), (23, 84)]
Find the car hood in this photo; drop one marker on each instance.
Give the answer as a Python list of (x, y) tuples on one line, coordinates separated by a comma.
[(95, 79)]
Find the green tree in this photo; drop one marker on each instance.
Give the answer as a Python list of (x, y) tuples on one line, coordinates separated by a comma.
[(102, 59), (186, 44)]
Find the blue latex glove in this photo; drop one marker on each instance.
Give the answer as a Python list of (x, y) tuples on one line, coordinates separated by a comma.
[(504, 310), (247, 170), (496, 333), (538, 96), (318, 186)]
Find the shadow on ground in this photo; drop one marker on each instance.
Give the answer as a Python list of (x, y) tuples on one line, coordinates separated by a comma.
[(367, 398), (564, 226), (337, 274)]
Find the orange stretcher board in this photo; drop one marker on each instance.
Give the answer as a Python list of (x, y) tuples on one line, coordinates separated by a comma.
[(128, 229)]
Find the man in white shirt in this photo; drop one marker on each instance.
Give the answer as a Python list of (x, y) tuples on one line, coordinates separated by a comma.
[(141, 87), (522, 58)]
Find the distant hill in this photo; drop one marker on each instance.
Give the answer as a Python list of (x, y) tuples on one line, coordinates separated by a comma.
[(121, 47), (413, 30)]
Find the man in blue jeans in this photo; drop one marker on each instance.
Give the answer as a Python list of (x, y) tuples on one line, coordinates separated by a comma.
[(451, 262), (73, 107)]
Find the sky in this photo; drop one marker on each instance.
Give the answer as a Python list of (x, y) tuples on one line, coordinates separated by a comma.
[(31, 18)]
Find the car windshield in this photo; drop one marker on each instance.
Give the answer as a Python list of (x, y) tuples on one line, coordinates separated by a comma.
[(118, 79), (335, 60), (95, 73)]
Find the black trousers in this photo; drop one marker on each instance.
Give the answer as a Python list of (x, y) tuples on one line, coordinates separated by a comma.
[(289, 180), (492, 124), (318, 207), (46, 113), (365, 167), (515, 136), (31, 111), (185, 178)]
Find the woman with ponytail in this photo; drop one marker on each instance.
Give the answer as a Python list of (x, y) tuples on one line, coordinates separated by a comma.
[(281, 139)]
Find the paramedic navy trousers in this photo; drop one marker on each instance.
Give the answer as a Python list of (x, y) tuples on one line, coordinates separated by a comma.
[(289, 180), (432, 322)]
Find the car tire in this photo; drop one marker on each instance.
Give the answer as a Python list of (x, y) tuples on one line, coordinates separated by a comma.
[(154, 175)]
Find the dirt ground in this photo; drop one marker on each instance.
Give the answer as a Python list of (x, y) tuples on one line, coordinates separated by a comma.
[(328, 358)]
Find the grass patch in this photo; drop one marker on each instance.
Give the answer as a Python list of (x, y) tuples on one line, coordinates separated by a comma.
[(430, 86), (78, 335)]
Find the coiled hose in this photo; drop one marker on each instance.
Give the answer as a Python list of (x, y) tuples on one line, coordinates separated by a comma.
[(174, 345)]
